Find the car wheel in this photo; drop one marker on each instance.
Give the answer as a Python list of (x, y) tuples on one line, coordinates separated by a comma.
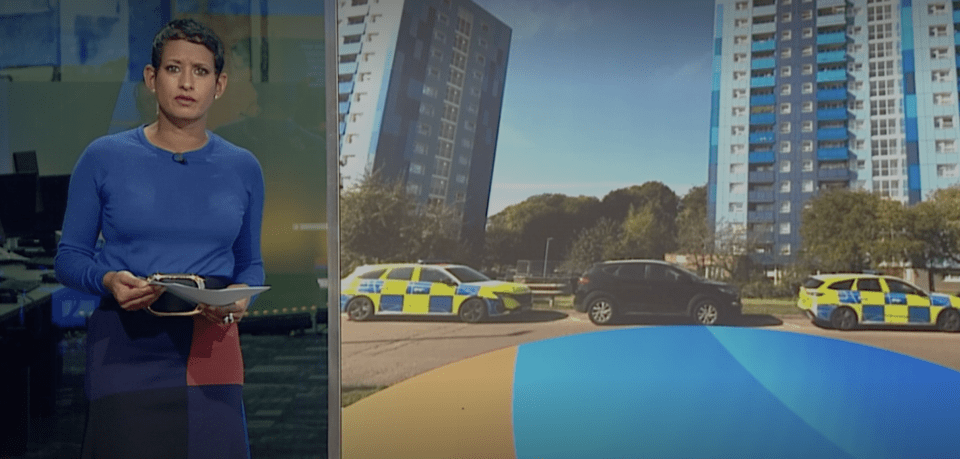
[(360, 308), (601, 310), (843, 319), (473, 310), (948, 320), (706, 312)]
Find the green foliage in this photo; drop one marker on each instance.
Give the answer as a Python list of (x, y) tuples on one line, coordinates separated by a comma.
[(598, 243), (380, 223), (840, 229)]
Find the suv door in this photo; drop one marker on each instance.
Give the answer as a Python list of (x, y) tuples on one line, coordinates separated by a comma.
[(669, 289), (629, 286), (395, 289)]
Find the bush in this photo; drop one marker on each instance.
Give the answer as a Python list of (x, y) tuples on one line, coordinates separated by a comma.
[(765, 288)]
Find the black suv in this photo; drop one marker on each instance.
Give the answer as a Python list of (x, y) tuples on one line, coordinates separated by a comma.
[(611, 289)]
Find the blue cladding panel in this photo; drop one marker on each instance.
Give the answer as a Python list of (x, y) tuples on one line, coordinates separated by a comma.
[(765, 63), (717, 46), (910, 129), (832, 134), (714, 136), (832, 94), (919, 314), (873, 313), (767, 99), (906, 21), (908, 64), (832, 114), (833, 56), (762, 137), (910, 106), (767, 45), (762, 82), (831, 75), (913, 175), (762, 157), (831, 38), (763, 118), (832, 154), (715, 103)]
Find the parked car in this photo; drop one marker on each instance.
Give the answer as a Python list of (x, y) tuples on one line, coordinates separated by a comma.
[(611, 289), (429, 289), (844, 301)]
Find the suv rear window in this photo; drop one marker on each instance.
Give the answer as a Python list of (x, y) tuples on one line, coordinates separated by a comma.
[(842, 285), (812, 283)]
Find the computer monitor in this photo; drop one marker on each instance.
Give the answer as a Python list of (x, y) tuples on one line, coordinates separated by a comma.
[(53, 202), (18, 204)]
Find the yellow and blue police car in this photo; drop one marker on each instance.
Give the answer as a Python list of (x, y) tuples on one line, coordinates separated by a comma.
[(844, 301), (429, 289)]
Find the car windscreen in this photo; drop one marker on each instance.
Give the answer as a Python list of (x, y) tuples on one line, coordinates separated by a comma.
[(465, 274)]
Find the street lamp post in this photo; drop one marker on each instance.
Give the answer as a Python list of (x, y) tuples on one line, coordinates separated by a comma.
[(545, 253)]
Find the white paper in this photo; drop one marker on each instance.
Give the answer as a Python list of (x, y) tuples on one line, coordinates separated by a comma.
[(218, 297)]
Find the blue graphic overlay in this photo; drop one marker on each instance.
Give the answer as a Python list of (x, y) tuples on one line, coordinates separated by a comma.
[(849, 297), (391, 303), (467, 290), (919, 314), (873, 314), (370, 286), (896, 298), (938, 299), (685, 391), (419, 288), (441, 304)]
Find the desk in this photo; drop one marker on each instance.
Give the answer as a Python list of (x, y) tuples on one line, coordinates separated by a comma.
[(30, 359)]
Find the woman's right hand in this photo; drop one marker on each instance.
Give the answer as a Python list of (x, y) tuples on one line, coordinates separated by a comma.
[(131, 292)]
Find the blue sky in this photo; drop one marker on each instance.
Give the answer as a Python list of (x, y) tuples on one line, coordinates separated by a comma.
[(602, 95)]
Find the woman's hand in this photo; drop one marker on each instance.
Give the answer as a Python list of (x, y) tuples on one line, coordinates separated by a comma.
[(131, 292), (222, 314)]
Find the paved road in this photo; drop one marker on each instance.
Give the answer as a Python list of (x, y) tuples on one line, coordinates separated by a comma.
[(382, 352)]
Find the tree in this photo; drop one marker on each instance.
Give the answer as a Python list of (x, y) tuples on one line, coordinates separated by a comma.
[(597, 243), (694, 235), (840, 231), (380, 222)]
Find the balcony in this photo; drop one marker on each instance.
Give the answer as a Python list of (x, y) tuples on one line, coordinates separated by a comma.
[(831, 75), (345, 87), (831, 38), (762, 137), (343, 107), (834, 175), (763, 63), (352, 29), (762, 157), (832, 56), (832, 114), (831, 19), (762, 82), (956, 15), (347, 67), (766, 45), (765, 10), (761, 176), (760, 196), (349, 48), (766, 99), (763, 118), (833, 154), (832, 94), (832, 134), (760, 217)]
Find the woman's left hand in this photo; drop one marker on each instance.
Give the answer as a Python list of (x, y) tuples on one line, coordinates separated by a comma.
[(227, 314)]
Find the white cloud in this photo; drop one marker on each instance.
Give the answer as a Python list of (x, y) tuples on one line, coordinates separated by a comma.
[(531, 17)]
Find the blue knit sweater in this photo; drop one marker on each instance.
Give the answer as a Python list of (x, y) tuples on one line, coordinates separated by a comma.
[(201, 215)]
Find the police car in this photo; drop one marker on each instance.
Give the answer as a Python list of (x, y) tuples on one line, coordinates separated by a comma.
[(844, 301), (429, 289)]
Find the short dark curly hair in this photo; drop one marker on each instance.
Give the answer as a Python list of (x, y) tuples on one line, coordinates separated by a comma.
[(192, 31)]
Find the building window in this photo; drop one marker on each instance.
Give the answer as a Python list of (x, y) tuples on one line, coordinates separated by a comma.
[(738, 76), (442, 167), (807, 51), (739, 57), (786, 35), (423, 128), (465, 160), (741, 6), (786, 52), (947, 170), (740, 40), (938, 31), (807, 88), (736, 207), (467, 143), (413, 188), (741, 22), (939, 76), (416, 168), (739, 111), (943, 122), (807, 32), (943, 98), (785, 228), (439, 36), (438, 186), (785, 249), (461, 178), (785, 186), (786, 17), (807, 69), (807, 186), (738, 168), (785, 147), (738, 149), (937, 8), (806, 15), (429, 91), (738, 188), (785, 207), (425, 109), (946, 146), (939, 53), (808, 165), (785, 166), (785, 90), (739, 93), (807, 126), (807, 146), (785, 108), (785, 128), (807, 107), (785, 71), (738, 130), (420, 148)]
